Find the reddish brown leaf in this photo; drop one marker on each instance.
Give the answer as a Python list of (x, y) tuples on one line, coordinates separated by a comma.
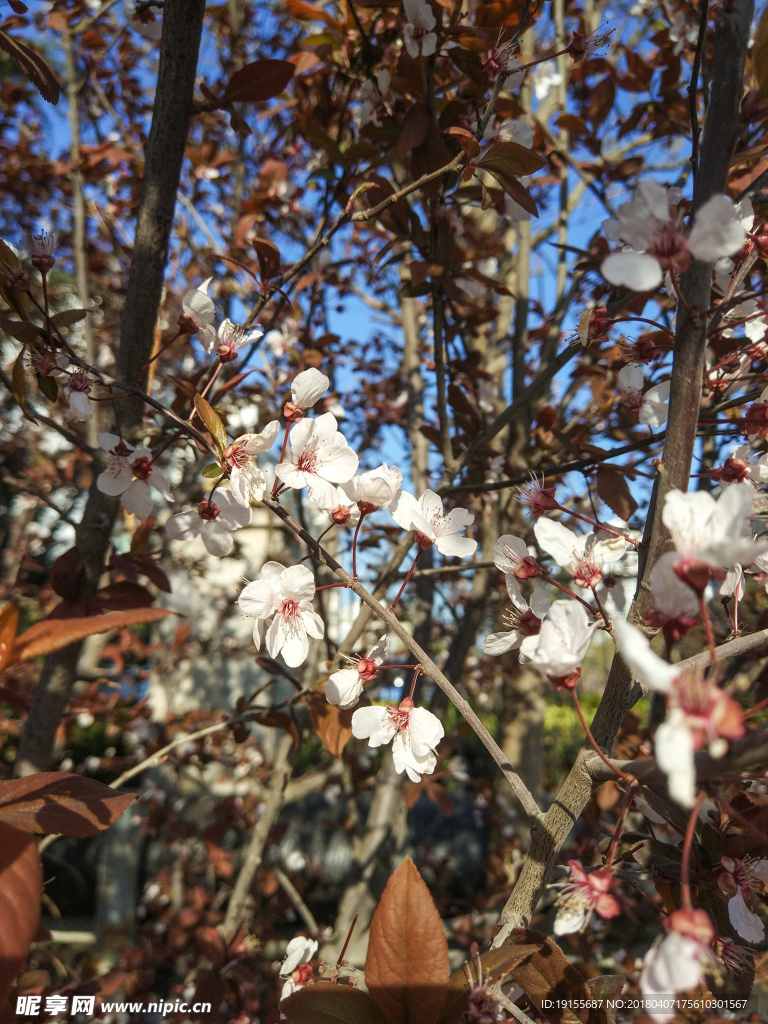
[(9, 623), (269, 258), (57, 803), (332, 725), (324, 1003), (280, 720), (495, 965), (512, 158), (21, 888), (406, 969), (66, 574), (465, 139), (613, 489), (38, 71), (547, 975), (514, 189), (258, 81), (53, 634)]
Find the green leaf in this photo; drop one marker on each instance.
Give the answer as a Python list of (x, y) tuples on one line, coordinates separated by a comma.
[(22, 330), (212, 421), (212, 471), (325, 1003), (67, 317)]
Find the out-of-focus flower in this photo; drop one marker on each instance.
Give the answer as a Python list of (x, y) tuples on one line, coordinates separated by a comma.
[(678, 963), (683, 31), (699, 713), (418, 36), (374, 97), (281, 603), (320, 457), (544, 78), (656, 241), (213, 521), (425, 516), (740, 879), (346, 686), (131, 473), (709, 533), (585, 894), (523, 618), (414, 732), (245, 478)]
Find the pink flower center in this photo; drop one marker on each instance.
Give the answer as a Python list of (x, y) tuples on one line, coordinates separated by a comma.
[(78, 381), (670, 249), (400, 715), (142, 468), (367, 669), (526, 623), (208, 511), (587, 573), (235, 455), (734, 471), (289, 610), (307, 462)]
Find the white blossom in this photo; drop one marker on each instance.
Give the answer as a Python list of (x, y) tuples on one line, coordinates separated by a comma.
[(374, 97), (544, 78), (524, 619), (308, 387), (582, 555), (246, 480), (676, 965), (376, 487), (213, 521), (198, 312), (346, 686), (559, 648), (131, 473), (414, 732), (147, 23), (417, 34), (281, 603), (425, 516), (320, 457)]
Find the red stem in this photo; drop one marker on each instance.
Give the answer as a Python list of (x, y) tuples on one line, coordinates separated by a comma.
[(400, 591), (619, 828), (629, 779), (707, 627), (685, 867)]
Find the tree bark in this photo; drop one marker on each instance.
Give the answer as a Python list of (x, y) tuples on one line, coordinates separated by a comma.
[(182, 30)]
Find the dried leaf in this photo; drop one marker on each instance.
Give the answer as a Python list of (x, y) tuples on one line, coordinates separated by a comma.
[(547, 975), (495, 965), (258, 81), (38, 71), (613, 489), (212, 421), (57, 803), (53, 634), (9, 623), (406, 969), (332, 725), (303, 11), (21, 889), (19, 382), (269, 258), (324, 1003)]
